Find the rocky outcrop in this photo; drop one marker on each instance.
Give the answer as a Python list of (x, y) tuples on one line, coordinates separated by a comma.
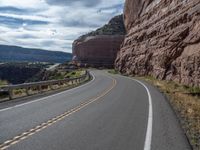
[(163, 40), (100, 50), (100, 47)]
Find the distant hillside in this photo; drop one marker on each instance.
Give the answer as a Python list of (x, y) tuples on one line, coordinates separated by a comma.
[(14, 53), (17, 73)]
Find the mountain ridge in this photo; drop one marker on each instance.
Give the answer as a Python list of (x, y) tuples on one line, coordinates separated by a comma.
[(16, 53)]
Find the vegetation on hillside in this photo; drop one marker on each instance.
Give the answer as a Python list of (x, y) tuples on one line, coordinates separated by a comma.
[(45, 75), (24, 72), (17, 73), (3, 82), (114, 27)]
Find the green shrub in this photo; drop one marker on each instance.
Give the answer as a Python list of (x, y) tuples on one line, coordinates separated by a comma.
[(113, 71)]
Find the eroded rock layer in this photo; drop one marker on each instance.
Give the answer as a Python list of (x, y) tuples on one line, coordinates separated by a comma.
[(98, 50), (100, 47), (163, 40)]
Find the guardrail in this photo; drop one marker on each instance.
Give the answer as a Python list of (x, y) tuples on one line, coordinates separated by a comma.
[(39, 85)]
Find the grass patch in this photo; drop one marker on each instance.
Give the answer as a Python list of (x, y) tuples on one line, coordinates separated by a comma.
[(185, 101), (3, 82), (17, 93), (74, 74), (3, 94), (59, 75), (113, 71)]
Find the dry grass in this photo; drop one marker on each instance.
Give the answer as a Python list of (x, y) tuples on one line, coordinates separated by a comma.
[(3, 82), (186, 103)]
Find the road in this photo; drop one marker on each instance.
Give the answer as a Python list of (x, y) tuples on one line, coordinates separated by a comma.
[(53, 67), (111, 112)]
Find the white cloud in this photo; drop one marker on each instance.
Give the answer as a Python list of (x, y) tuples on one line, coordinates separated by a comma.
[(24, 3), (50, 26), (26, 17)]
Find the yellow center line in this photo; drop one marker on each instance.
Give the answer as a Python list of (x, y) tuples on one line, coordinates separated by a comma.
[(54, 120)]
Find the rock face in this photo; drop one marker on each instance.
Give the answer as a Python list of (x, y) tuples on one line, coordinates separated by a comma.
[(100, 47), (163, 40), (100, 50)]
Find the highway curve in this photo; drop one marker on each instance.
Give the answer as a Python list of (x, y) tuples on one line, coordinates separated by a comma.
[(111, 112)]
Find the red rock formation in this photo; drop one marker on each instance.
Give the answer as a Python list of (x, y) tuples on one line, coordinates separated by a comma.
[(98, 50), (163, 40), (100, 47)]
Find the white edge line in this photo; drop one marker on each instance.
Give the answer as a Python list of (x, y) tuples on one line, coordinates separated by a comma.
[(148, 138), (93, 78)]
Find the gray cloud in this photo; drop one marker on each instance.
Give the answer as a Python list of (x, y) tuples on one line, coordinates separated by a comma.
[(15, 10), (87, 3), (42, 25), (26, 36), (16, 22), (79, 23)]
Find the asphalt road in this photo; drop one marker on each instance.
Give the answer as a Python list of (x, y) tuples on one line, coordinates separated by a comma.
[(110, 112)]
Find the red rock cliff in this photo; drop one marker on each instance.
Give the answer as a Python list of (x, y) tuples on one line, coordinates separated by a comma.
[(100, 47), (163, 40), (100, 50)]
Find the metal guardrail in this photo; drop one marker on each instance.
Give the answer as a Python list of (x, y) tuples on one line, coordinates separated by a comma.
[(39, 85)]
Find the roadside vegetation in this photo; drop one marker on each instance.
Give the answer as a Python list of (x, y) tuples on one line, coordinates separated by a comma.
[(186, 102), (3, 94), (20, 72), (59, 76), (56, 74), (75, 74), (3, 82), (113, 71), (25, 72)]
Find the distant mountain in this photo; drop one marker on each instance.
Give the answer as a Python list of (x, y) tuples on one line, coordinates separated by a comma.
[(14, 53)]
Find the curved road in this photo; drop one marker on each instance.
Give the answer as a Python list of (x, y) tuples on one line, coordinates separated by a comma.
[(110, 112)]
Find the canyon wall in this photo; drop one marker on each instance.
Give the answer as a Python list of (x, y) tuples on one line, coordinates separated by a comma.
[(163, 40), (100, 50), (100, 47)]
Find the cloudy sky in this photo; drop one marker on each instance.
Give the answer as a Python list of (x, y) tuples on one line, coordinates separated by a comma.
[(52, 24)]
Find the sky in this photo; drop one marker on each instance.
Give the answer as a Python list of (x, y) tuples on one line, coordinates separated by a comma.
[(52, 24)]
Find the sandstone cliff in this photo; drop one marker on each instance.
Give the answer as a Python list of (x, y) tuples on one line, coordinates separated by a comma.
[(163, 40), (100, 47)]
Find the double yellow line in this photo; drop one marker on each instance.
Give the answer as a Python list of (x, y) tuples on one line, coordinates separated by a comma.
[(54, 120)]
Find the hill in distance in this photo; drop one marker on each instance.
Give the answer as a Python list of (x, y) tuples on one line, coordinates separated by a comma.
[(15, 53)]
